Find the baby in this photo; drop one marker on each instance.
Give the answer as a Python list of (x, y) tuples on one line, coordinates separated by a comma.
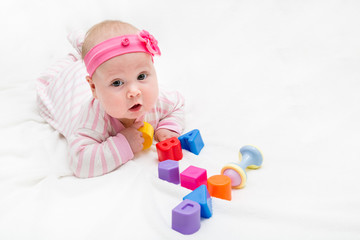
[(102, 131)]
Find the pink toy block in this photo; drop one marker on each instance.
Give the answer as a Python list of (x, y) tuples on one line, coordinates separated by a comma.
[(193, 177)]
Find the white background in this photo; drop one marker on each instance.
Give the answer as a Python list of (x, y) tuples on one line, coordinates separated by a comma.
[(282, 75)]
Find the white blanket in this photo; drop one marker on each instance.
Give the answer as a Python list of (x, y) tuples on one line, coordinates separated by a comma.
[(282, 75)]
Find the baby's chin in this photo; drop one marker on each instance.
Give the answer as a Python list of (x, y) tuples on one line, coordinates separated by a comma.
[(129, 116)]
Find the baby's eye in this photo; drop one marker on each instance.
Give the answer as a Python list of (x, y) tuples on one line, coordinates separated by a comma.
[(117, 83), (142, 76)]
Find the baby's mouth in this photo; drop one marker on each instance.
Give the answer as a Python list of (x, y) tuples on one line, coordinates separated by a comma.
[(135, 108)]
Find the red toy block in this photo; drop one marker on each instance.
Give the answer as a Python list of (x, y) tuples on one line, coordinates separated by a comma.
[(169, 149)]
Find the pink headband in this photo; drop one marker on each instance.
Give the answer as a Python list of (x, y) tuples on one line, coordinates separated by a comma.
[(100, 53)]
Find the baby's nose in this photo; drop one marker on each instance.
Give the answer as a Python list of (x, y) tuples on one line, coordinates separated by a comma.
[(133, 93)]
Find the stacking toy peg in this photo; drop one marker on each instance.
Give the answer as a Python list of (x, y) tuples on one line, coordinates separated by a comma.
[(250, 157), (148, 135)]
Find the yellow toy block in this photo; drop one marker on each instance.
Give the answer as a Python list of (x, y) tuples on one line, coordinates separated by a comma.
[(148, 134)]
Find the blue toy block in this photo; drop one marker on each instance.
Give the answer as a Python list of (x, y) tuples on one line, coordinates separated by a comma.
[(202, 196), (192, 141)]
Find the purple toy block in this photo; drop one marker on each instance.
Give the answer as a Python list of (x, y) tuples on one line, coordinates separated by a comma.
[(193, 177), (169, 171), (186, 217)]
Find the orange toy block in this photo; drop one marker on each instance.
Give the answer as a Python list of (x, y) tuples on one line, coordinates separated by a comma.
[(219, 186)]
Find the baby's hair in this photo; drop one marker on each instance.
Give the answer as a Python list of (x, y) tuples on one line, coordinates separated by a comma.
[(105, 30)]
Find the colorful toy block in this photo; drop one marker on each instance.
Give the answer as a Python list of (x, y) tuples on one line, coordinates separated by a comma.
[(202, 197), (192, 141), (148, 135), (186, 217), (169, 171), (169, 149), (193, 177), (219, 186)]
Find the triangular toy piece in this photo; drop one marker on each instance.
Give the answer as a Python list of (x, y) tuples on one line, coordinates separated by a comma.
[(192, 141), (202, 196)]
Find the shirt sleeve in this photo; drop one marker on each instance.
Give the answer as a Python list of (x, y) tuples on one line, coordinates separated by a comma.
[(171, 108), (93, 151)]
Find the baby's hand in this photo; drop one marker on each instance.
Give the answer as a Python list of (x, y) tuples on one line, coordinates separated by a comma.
[(163, 134), (134, 137)]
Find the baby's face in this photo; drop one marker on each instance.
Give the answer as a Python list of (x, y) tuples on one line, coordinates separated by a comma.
[(126, 85)]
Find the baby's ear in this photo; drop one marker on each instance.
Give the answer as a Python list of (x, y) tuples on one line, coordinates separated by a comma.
[(92, 86)]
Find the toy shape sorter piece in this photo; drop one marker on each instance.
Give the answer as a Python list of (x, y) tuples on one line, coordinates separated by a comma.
[(202, 196), (250, 157), (169, 171), (169, 149), (219, 186), (186, 217), (193, 177), (148, 135), (192, 141)]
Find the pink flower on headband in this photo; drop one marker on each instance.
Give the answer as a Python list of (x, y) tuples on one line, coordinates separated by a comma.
[(125, 42), (150, 42)]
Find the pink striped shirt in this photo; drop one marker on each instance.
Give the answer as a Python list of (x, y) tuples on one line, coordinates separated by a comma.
[(95, 145)]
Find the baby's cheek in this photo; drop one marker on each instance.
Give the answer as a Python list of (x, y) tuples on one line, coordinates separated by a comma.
[(114, 110), (151, 97), (151, 103)]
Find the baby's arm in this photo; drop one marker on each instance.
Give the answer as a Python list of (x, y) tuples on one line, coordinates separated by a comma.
[(134, 136), (163, 134), (92, 155), (172, 122)]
